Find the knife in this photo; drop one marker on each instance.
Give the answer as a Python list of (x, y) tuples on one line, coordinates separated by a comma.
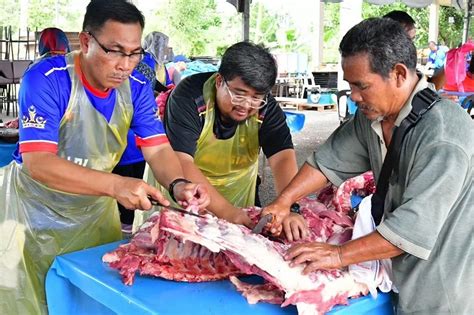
[(262, 222), (156, 203)]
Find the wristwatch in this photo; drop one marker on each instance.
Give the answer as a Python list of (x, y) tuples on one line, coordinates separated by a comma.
[(295, 208), (174, 183)]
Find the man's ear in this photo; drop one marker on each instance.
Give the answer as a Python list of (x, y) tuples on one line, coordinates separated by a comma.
[(219, 80), (401, 74), (84, 40)]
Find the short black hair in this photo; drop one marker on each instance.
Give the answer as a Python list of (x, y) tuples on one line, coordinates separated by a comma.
[(252, 63), (401, 17), (100, 11), (385, 42)]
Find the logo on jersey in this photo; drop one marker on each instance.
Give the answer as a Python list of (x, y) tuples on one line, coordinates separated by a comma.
[(156, 113), (32, 120)]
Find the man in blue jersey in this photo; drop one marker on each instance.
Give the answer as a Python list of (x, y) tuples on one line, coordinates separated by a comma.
[(75, 112)]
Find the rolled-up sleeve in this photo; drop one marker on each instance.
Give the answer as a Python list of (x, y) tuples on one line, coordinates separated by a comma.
[(345, 153)]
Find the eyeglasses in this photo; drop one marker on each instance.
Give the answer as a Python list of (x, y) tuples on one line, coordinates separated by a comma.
[(118, 54), (240, 100)]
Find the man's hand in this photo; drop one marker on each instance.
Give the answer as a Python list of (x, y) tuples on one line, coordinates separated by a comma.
[(133, 193), (295, 227), (316, 256), (240, 217), (280, 213), (191, 194)]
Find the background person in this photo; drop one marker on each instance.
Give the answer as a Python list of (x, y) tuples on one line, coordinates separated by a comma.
[(51, 42), (178, 66), (437, 56), (155, 45), (428, 218), (58, 195), (405, 20)]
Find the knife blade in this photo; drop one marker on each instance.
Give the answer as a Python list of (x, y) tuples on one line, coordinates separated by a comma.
[(262, 222), (156, 203)]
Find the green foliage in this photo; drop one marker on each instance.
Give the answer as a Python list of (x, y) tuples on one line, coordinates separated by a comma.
[(450, 34), (331, 33), (191, 25), (263, 25), (10, 14)]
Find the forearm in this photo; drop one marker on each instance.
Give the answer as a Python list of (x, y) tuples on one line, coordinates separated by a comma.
[(306, 181), (219, 205), (60, 174), (164, 163), (284, 168), (370, 247)]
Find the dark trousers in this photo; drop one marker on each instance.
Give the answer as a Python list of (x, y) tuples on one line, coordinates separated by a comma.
[(132, 170)]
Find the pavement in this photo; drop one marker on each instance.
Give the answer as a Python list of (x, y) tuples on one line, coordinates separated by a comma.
[(317, 128)]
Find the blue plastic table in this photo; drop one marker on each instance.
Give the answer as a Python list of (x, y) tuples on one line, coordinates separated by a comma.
[(79, 283)]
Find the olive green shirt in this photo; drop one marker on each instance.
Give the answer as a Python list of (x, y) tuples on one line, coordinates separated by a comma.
[(429, 208)]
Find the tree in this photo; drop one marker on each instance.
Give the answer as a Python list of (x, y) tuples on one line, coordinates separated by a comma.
[(191, 24), (450, 34), (10, 14)]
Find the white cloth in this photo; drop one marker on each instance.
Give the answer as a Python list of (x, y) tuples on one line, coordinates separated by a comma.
[(375, 273)]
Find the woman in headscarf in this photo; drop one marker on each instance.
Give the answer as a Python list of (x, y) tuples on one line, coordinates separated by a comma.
[(155, 45), (52, 42)]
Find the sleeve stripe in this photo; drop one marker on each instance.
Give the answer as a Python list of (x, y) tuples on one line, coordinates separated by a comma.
[(38, 147), (38, 141), (151, 141), (135, 79), (55, 69)]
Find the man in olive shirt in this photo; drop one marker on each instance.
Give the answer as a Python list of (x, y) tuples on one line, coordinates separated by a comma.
[(428, 222)]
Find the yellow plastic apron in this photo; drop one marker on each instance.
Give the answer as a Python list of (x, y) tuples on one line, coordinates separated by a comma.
[(38, 223), (230, 165)]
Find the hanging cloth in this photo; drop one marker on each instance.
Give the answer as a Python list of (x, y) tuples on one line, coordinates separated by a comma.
[(38, 223)]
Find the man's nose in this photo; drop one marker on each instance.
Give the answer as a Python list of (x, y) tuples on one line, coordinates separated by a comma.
[(125, 64), (355, 95)]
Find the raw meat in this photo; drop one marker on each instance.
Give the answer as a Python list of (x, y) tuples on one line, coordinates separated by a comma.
[(153, 251), (255, 254), (227, 250)]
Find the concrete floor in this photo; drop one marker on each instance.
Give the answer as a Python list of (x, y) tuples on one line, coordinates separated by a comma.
[(317, 128)]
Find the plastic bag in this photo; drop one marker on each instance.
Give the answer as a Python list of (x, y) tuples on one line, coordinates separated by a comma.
[(455, 68)]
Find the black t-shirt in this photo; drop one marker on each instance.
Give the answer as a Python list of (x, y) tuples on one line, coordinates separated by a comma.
[(185, 115)]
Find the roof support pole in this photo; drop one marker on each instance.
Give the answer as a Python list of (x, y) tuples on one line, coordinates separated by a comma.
[(433, 22), (350, 14), (467, 21)]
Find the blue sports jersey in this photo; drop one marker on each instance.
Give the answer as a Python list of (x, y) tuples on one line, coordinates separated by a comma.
[(44, 96), (132, 153)]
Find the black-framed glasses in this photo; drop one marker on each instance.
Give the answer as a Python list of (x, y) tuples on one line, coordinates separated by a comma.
[(118, 54), (241, 100)]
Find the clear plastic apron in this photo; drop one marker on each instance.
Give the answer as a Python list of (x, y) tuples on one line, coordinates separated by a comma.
[(38, 223), (230, 165)]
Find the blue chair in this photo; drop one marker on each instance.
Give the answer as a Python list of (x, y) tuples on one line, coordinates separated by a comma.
[(295, 121)]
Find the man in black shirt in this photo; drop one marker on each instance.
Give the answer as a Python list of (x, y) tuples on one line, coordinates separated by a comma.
[(217, 122)]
